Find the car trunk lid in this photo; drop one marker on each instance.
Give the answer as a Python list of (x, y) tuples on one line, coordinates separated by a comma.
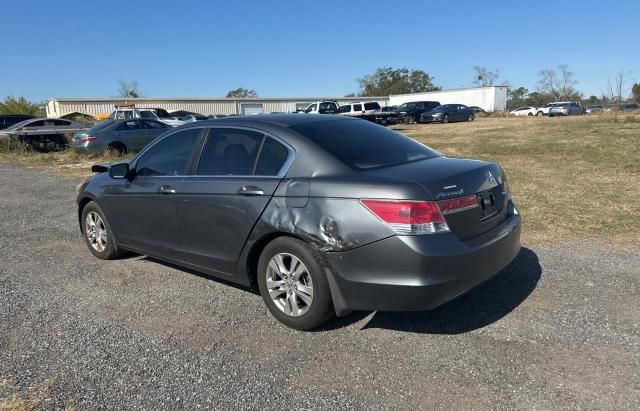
[(470, 193)]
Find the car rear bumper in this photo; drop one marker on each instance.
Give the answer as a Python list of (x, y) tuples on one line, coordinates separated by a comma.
[(414, 273), (85, 148)]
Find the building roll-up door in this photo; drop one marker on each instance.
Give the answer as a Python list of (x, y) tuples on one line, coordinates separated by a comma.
[(248, 109)]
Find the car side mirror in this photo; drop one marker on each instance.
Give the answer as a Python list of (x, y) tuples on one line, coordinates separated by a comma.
[(119, 171)]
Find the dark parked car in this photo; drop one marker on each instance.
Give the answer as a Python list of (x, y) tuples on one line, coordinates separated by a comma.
[(322, 214), (411, 111), (477, 109), (625, 107), (43, 133), (448, 113), (7, 120), (121, 136)]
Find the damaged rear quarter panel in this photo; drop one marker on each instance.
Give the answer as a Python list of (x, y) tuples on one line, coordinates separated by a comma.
[(329, 224), (326, 213)]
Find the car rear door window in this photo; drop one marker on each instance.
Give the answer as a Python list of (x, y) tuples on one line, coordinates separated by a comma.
[(230, 152), (39, 123), (357, 107), (372, 106), (153, 125), (128, 125), (272, 158), (170, 156), (344, 109)]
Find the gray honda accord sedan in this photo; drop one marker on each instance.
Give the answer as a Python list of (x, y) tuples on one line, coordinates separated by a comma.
[(321, 214)]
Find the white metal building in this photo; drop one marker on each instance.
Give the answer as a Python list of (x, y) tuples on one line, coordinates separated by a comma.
[(489, 98), (492, 98)]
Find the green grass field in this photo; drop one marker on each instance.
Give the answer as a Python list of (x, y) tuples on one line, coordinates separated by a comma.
[(572, 177)]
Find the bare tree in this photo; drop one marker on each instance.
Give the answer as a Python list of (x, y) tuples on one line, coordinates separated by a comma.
[(128, 89), (618, 90), (567, 83), (483, 77), (547, 83), (558, 85)]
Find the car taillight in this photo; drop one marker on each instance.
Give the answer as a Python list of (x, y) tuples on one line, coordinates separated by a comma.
[(86, 138), (408, 217)]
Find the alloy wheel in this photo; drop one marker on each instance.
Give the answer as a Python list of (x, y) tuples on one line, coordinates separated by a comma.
[(96, 231), (289, 284)]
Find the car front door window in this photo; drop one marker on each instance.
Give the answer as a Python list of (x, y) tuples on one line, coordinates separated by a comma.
[(144, 206), (169, 157)]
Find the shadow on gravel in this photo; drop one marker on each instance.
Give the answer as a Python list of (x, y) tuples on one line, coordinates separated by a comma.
[(478, 308), (202, 275)]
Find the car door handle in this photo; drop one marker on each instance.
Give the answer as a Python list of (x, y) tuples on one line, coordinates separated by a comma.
[(166, 189), (251, 191)]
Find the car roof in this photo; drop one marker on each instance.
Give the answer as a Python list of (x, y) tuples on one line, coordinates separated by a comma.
[(421, 101), (281, 120)]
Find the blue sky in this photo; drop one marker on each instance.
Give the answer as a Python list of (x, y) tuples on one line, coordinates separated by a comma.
[(298, 48)]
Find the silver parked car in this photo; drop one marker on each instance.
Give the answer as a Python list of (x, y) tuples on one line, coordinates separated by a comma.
[(593, 108), (120, 136), (568, 108)]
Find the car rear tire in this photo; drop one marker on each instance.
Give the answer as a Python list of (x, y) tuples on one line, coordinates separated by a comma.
[(471, 117), (445, 119), (97, 233), (530, 114), (117, 149), (539, 114), (293, 285)]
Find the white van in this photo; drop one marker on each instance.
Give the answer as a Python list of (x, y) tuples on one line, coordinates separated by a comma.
[(359, 109)]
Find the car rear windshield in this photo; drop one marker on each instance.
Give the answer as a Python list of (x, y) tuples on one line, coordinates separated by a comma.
[(363, 145), (100, 126)]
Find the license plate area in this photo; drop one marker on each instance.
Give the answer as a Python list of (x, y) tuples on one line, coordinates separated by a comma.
[(487, 203)]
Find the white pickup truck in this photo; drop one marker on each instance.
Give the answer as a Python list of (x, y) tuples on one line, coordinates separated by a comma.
[(322, 107), (148, 113)]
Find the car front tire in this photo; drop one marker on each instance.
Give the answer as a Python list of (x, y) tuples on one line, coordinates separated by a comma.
[(97, 232), (539, 114), (445, 119), (293, 284)]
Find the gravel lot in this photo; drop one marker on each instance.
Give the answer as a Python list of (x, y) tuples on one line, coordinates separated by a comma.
[(559, 328)]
